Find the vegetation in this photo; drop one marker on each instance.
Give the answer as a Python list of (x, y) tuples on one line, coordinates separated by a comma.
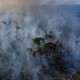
[(49, 49), (50, 46), (37, 41)]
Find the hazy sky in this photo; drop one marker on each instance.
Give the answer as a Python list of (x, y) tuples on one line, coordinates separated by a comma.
[(15, 4), (65, 1)]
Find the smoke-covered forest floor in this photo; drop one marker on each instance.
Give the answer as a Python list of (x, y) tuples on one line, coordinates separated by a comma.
[(57, 67), (42, 45)]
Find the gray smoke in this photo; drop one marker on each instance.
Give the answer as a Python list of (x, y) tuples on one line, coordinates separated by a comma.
[(17, 31)]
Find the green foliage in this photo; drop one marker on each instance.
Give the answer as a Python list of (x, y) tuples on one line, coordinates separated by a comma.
[(45, 49), (37, 41), (50, 46), (49, 49)]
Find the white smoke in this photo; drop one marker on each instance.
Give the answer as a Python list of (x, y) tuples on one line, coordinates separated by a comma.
[(65, 23), (18, 30), (16, 34)]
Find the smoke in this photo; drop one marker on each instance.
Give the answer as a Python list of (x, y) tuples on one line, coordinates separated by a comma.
[(18, 30), (16, 34), (65, 23)]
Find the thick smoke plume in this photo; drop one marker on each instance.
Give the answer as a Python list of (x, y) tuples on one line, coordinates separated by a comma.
[(17, 31)]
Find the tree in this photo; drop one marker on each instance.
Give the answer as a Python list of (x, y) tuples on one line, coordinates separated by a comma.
[(49, 49)]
